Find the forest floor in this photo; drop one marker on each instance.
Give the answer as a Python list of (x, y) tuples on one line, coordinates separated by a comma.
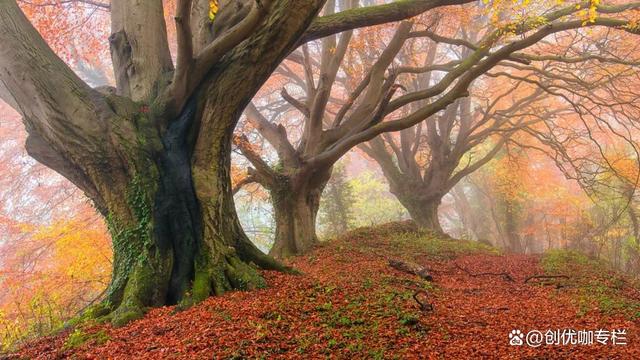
[(349, 303)]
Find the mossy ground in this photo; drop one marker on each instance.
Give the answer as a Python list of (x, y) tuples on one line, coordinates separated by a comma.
[(78, 338)]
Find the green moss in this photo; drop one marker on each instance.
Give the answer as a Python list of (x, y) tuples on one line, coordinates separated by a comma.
[(201, 287), (140, 269), (93, 314), (132, 239), (437, 246), (78, 338), (243, 276), (563, 260), (226, 273), (124, 315)]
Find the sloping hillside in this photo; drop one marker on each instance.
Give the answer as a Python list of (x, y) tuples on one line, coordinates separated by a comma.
[(349, 303)]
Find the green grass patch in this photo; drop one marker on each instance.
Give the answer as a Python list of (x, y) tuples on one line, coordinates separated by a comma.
[(596, 286), (405, 239), (437, 246), (78, 338), (566, 261)]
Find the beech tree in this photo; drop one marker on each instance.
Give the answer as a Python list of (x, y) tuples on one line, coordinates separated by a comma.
[(425, 162), (153, 152), (379, 103)]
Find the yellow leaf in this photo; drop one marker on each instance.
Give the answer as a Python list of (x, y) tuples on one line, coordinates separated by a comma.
[(213, 9)]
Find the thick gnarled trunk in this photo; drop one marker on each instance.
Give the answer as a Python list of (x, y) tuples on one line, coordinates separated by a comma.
[(187, 243), (169, 246)]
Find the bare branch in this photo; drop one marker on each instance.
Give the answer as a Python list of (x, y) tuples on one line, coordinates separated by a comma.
[(372, 15)]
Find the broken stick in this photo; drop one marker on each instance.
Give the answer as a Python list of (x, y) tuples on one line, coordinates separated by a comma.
[(504, 275)]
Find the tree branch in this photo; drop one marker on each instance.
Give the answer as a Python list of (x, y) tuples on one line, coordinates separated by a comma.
[(243, 144), (139, 47), (49, 95), (275, 135), (186, 82), (294, 102), (184, 57), (371, 15), (228, 40)]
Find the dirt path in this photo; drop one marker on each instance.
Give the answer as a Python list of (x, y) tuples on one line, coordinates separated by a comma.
[(350, 304)]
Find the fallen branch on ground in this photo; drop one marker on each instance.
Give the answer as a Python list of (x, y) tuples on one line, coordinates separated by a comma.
[(504, 275), (411, 268), (424, 306)]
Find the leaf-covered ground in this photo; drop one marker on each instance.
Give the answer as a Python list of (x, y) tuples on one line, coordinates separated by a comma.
[(350, 304)]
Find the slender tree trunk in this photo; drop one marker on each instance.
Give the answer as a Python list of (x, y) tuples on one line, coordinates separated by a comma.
[(511, 228), (465, 211), (634, 258)]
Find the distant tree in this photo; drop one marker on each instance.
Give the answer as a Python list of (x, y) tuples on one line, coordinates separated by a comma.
[(372, 76)]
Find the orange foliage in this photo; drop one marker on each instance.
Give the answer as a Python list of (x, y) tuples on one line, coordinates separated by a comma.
[(52, 272)]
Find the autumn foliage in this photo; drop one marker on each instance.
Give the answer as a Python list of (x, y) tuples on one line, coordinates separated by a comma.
[(515, 121)]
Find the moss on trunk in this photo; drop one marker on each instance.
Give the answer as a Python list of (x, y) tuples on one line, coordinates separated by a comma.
[(169, 246)]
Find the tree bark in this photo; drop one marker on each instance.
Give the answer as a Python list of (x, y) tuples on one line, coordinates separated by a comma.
[(168, 248), (423, 211), (295, 213)]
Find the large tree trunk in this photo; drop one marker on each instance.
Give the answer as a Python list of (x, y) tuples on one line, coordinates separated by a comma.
[(296, 202), (194, 239), (222, 262), (295, 215), (424, 211), (168, 248)]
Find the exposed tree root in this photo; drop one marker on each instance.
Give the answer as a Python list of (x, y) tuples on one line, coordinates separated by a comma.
[(423, 304)]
